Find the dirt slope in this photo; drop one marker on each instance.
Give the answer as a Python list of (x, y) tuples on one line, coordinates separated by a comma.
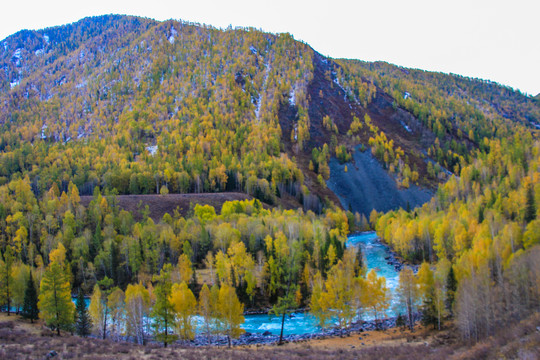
[(366, 186)]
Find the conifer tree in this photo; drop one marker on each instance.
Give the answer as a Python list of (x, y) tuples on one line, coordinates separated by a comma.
[(451, 287), (400, 322), (55, 304), (530, 207), (83, 323), (6, 278), (30, 306), (163, 312), (429, 308)]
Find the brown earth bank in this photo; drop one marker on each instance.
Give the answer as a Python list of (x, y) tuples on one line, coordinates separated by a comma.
[(159, 205), (19, 339)]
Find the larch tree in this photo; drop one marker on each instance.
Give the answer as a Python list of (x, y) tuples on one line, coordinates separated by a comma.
[(163, 312), (116, 302), (408, 294), (340, 290), (20, 274), (283, 272), (55, 305), (230, 312), (185, 268), (97, 312), (206, 309), (137, 309), (378, 299), (185, 306), (319, 305), (99, 306), (427, 291)]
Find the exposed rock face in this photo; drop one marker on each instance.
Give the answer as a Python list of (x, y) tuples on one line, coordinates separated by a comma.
[(366, 186)]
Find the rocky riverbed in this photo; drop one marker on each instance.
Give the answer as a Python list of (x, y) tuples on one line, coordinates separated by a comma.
[(269, 338)]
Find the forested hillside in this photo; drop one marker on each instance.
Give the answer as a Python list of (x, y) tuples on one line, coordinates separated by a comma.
[(120, 105)]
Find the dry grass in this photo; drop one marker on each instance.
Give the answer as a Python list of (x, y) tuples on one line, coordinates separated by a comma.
[(161, 204), (21, 340)]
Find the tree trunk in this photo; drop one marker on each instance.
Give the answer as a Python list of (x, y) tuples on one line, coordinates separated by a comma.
[(282, 325), (165, 339)]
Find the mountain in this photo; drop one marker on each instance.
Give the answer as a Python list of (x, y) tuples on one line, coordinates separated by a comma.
[(216, 157), (143, 106)]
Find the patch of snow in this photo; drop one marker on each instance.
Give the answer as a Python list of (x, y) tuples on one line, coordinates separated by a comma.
[(406, 95), (152, 149), (259, 100), (5, 46), (14, 83), (46, 38), (292, 96), (38, 52), (173, 34), (252, 49), (406, 127), (43, 128), (17, 54), (336, 81)]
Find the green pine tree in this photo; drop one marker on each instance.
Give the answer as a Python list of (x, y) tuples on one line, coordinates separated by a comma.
[(163, 312), (530, 207), (429, 309), (451, 287), (400, 322), (30, 306), (83, 323), (163, 315), (6, 278)]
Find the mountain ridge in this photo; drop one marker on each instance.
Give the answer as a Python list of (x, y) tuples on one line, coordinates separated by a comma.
[(127, 85)]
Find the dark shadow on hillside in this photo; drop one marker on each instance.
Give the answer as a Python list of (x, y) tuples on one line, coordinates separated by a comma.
[(367, 186)]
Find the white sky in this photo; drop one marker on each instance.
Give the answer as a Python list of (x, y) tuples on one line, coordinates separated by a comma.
[(495, 40)]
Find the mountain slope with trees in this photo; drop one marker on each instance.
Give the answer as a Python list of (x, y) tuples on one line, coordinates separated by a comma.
[(119, 105)]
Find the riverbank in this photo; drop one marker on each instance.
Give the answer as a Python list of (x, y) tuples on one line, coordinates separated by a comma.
[(19, 339), (301, 326), (267, 338)]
